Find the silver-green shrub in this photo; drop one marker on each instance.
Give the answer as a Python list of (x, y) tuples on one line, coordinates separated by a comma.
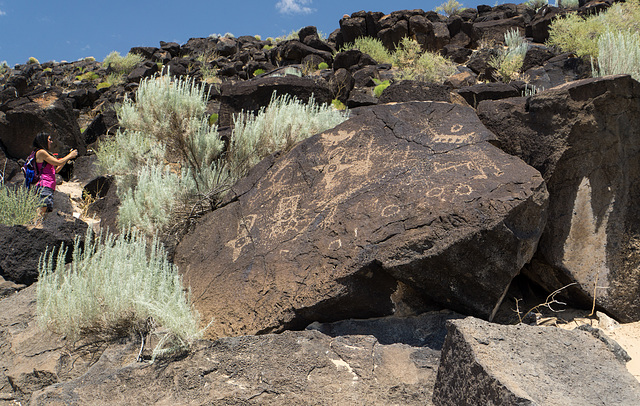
[(18, 206), (122, 65), (112, 286), (509, 59), (618, 53), (280, 125), (166, 127)]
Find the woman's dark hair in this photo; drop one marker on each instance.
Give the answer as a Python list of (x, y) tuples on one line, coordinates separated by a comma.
[(41, 141)]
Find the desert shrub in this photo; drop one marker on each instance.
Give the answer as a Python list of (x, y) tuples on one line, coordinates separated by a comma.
[(111, 288), (148, 206), (372, 47), (618, 53), (536, 5), (167, 155), (112, 79), (417, 65), (280, 125), (380, 86), (171, 111), (18, 206), (258, 71), (577, 34), (3, 67), (90, 76), (123, 65), (323, 65), (450, 8), (32, 61), (338, 105), (568, 3), (509, 60)]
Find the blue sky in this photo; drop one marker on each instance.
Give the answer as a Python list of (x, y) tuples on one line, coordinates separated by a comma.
[(70, 29)]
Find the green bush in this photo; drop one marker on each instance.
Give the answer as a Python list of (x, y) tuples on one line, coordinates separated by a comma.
[(380, 86), (258, 72), (284, 122), (18, 206), (417, 65), (579, 35), (323, 65), (122, 65), (509, 60), (618, 53), (450, 8), (32, 61), (111, 288), (90, 76), (568, 3), (372, 47)]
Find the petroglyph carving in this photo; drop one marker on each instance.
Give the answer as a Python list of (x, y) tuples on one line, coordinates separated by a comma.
[(463, 190), (390, 210), (285, 215), (335, 245), (243, 236), (479, 164)]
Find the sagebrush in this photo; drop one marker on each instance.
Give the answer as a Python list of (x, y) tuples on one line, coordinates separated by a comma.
[(111, 287)]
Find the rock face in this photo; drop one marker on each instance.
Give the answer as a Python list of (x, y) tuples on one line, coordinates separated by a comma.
[(409, 193), (21, 246), (293, 368), (584, 137), (490, 364)]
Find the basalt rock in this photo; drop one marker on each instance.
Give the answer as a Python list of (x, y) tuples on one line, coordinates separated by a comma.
[(408, 193), (584, 137), (253, 94), (529, 365)]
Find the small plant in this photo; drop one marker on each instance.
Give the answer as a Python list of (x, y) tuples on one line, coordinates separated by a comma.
[(416, 65), (531, 90), (568, 3), (258, 72), (509, 60), (258, 37), (18, 206), (536, 5), (90, 76), (3, 67), (213, 118), (370, 46), (450, 8), (323, 65), (618, 53), (380, 86), (115, 287), (338, 105), (267, 47), (122, 65), (32, 61)]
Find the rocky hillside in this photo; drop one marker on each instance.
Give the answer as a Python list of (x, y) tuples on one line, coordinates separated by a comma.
[(389, 260)]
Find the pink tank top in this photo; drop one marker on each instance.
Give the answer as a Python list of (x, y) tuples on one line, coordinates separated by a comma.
[(47, 175)]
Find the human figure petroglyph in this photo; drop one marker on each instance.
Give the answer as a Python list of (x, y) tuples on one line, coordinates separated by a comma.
[(243, 235), (285, 215)]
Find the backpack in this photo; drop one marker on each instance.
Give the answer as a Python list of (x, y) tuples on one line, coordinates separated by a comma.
[(30, 170)]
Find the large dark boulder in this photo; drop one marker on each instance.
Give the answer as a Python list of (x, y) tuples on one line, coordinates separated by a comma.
[(413, 90), (488, 91), (407, 193), (253, 94), (584, 137), (25, 117), (490, 364), (21, 246)]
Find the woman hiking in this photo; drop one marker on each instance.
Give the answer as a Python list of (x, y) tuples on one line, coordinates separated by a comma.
[(48, 166)]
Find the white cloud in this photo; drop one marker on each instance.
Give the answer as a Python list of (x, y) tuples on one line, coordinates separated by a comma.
[(2, 13), (294, 7)]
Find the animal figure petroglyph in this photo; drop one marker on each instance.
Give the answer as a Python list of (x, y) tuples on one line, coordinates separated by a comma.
[(243, 235)]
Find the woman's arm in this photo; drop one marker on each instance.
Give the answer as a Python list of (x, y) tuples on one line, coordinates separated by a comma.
[(43, 156)]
